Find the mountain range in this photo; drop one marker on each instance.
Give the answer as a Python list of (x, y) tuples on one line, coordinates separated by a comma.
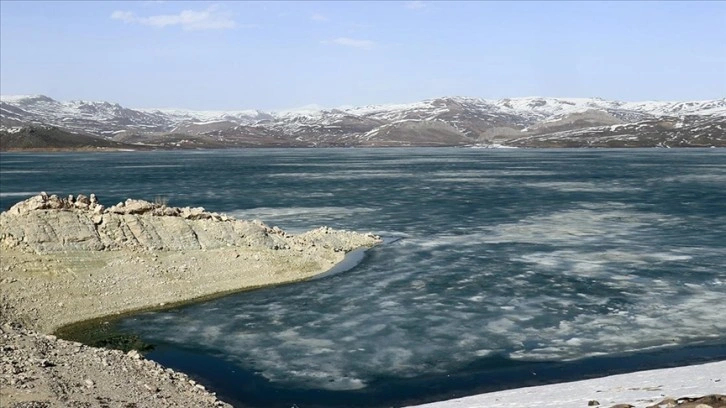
[(40, 122)]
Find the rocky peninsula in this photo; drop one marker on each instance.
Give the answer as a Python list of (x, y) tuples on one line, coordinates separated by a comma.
[(65, 260)]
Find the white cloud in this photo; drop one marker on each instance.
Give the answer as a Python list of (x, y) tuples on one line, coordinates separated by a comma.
[(415, 5), (318, 17), (210, 19), (125, 16), (351, 42)]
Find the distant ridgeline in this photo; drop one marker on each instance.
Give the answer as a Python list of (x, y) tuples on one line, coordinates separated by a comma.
[(39, 122)]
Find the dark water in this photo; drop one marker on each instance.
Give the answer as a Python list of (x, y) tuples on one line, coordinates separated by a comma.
[(506, 267)]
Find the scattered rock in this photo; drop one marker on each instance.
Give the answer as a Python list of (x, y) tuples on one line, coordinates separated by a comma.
[(77, 381), (666, 403), (708, 401)]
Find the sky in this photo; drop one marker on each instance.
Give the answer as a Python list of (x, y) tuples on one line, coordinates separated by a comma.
[(283, 55)]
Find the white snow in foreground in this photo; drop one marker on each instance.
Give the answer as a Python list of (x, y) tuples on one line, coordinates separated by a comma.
[(639, 389)]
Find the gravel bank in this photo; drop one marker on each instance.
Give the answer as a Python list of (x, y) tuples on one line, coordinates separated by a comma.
[(40, 371)]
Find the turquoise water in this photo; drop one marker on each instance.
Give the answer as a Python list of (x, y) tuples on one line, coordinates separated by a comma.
[(502, 267)]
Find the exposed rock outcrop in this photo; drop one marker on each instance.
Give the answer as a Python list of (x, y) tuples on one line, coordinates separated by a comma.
[(51, 224)]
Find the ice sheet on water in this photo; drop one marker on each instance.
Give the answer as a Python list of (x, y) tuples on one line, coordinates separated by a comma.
[(699, 178), (17, 193), (582, 186), (535, 260), (597, 281), (292, 212), (148, 166), (343, 175), (300, 219)]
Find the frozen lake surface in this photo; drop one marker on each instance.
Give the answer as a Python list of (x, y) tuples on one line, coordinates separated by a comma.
[(503, 267)]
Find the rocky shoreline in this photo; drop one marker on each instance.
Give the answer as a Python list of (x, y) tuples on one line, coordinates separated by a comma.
[(38, 370), (66, 260)]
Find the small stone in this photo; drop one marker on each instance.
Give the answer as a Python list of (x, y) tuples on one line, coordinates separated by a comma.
[(666, 403), (89, 383), (592, 403), (134, 354), (45, 363), (82, 201), (150, 388)]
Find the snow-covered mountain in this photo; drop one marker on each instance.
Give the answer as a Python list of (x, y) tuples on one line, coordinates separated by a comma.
[(448, 121)]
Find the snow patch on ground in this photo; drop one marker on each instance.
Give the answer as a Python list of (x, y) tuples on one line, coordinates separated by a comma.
[(640, 389)]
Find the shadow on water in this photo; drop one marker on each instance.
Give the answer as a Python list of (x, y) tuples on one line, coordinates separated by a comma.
[(244, 388)]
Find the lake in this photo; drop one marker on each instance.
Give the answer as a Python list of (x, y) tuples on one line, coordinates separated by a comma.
[(501, 268)]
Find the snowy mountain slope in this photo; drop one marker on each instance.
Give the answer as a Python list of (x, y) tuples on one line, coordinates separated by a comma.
[(101, 118), (449, 121), (46, 137), (179, 116), (687, 131)]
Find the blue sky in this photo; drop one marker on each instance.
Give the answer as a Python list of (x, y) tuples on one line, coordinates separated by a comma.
[(278, 55)]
